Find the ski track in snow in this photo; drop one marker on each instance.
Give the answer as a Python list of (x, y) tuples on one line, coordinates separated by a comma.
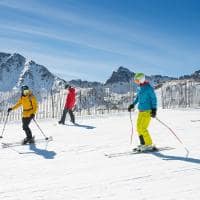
[(73, 165)]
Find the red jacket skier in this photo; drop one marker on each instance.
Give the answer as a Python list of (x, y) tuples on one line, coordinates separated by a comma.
[(69, 105), (71, 99)]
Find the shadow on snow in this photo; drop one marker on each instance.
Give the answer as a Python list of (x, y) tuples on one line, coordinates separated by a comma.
[(82, 126), (41, 152), (185, 159)]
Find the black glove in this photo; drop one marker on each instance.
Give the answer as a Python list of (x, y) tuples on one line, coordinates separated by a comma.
[(153, 112), (32, 116), (130, 107), (9, 109)]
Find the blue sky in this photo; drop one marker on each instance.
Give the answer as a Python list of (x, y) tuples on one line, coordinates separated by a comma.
[(88, 39)]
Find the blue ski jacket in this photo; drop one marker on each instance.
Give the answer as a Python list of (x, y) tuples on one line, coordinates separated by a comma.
[(146, 97)]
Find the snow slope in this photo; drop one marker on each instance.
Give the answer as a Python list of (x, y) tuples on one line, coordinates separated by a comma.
[(73, 166)]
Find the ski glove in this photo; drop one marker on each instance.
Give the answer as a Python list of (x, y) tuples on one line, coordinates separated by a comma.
[(153, 112), (9, 109), (130, 107), (32, 116)]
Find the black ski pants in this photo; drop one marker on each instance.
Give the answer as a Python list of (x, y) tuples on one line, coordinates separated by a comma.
[(65, 111), (25, 125)]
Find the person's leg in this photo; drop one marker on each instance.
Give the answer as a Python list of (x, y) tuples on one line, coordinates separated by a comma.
[(25, 125), (72, 116), (62, 121), (143, 121)]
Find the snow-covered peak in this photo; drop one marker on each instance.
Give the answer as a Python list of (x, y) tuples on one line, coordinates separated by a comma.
[(121, 75), (16, 70)]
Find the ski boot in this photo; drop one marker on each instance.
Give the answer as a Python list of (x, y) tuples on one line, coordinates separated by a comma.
[(145, 148), (28, 141)]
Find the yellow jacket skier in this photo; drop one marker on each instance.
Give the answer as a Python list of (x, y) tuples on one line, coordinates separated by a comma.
[(29, 103)]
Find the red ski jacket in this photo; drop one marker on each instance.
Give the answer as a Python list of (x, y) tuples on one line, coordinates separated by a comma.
[(71, 98)]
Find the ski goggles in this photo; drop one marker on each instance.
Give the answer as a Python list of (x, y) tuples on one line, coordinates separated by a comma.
[(136, 81), (26, 92)]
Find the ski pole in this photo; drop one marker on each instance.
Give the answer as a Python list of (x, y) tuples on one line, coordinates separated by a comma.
[(174, 135), (131, 140), (4, 126), (46, 138)]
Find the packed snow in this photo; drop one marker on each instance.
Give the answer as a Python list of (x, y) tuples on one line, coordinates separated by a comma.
[(73, 166)]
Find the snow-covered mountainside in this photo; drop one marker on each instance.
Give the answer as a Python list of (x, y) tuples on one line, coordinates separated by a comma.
[(121, 75), (121, 80), (15, 71), (85, 84), (195, 76), (158, 79)]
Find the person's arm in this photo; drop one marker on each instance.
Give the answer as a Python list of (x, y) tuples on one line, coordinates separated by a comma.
[(17, 105), (131, 106), (34, 104)]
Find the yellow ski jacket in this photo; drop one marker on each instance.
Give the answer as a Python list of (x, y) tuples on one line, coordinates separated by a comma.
[(29, 104)]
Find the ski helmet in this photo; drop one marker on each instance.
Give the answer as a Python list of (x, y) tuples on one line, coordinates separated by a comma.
[(140, 77), (24, 87), (25, 90)]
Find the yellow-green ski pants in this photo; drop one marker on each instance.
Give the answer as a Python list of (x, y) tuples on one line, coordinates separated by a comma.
[(144, 118)]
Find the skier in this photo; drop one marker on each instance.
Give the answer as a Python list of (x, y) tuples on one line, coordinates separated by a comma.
[(147, 105), (29, 103), (69, 105)]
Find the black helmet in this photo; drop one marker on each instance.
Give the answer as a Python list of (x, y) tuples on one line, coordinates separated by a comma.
[(67, 86), (24, 87)]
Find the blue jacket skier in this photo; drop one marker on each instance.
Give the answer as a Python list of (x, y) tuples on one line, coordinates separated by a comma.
[(147, 106)]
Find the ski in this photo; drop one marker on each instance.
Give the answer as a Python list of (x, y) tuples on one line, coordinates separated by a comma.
[(111, 155), (14, 144)]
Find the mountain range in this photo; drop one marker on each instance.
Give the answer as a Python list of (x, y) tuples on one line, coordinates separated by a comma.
[(16, 70)]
